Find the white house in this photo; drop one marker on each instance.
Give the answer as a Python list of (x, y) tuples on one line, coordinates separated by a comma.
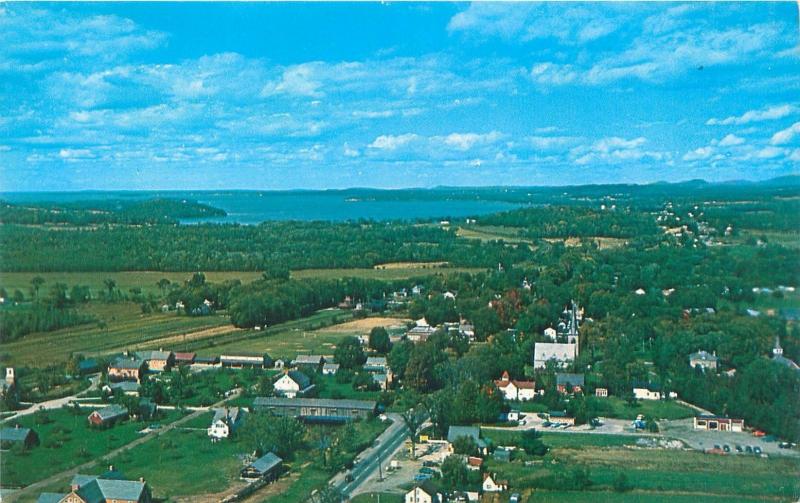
[(330, 369), (225, 422), (423, 493), (550, 333), (704, 360), (515, 390), (490, 485), (646, 394), (292, 383)]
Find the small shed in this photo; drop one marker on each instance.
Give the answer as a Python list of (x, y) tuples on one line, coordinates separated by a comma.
[(267, 467)]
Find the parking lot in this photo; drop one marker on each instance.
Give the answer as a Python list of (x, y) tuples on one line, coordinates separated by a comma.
[(704, 440)]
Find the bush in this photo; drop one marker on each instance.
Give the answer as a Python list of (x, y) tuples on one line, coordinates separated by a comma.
[(621, 483)]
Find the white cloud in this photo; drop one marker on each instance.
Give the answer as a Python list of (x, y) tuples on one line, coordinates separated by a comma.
[(391, 142), (347, 151), (730, 140), (699, 154), (785, 135), (764, 114), (615, 150), (465, 141), (769, 152), (549, 142), (297, 80)]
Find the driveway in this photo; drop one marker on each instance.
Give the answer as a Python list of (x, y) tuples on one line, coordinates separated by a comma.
[(56, 403)]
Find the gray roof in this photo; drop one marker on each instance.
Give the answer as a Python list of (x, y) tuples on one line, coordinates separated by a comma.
[(269, 401), (266, 462), (330, 366), (111, 412), (14, 434), (308, 360), (50, 498), (154, 355), (127, 363), (127, 490), (703, 355), (125, 386), (376, 361), (302, 380), (230, 415), (569, 379), (465, 431), (782, 360)]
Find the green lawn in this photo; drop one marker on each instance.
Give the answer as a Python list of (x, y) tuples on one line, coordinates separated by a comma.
[(387, 274), (375, 497), (66, 441), (562, 440), (659, 471), (657, 409), (125, 328), (285, 340), (631, 497), (184, 462), (329, 388)]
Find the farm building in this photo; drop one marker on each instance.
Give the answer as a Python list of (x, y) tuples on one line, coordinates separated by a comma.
[(94, 489), (108, 416), (292, 383), (126, 369), (157, 361), (267, 467), (309, 362), (184, 358), (226, 421), (246, 361), (11, 437), (316, 409)]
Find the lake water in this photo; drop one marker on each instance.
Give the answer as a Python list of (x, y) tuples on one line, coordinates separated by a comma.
[(254, 207)]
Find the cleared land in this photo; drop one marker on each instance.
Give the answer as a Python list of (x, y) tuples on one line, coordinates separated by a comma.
[(364, 325), (121, 326), (388, 273)]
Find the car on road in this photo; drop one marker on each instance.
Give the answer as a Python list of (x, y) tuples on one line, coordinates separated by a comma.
[(348, 477), (546, 424)]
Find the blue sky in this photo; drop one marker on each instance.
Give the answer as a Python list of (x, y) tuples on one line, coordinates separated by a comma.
[(316, 95)]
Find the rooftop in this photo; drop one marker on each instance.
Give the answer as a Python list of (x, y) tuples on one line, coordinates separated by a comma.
[(313, 402)]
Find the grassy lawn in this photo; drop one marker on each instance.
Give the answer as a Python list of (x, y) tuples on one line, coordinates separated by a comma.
[(659, 471), (66, 441), (285, 340), (374, 497), (125, 328), (184, 462), (329, 388), (562, 440), (389, 273), (631, 497), (657, 409)]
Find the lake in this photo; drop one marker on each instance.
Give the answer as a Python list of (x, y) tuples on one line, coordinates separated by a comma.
[(252, 207)]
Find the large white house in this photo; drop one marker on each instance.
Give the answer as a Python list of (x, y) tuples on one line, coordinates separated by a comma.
[(515, 390), (225, 422), (490, 485), (423, 493), (292, 383), (562, 354), (646, 394)]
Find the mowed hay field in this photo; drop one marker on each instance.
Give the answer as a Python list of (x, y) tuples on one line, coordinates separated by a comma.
[(146, 280), (121, 326)]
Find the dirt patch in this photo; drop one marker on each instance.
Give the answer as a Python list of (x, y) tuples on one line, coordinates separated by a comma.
[(206, 333), (412, 265), (364, 325)]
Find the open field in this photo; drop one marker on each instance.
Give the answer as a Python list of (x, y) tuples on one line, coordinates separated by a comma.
[(66, 441), (661, 471), (364, 325), (633, 497), (657, 409), (388, 273), (563, 440), (286, 340), (123, 327), (493, 233)]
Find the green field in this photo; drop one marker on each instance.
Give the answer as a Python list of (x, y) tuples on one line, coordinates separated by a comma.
[(375, 498), (285, 340), (562, 440), (66, 441), (657, 409), (632, 497), (661, 472), (125, 327), (387, 274)]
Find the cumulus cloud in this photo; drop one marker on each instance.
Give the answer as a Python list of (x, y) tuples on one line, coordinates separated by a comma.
[(465, 141), (392, 142), (763, 114), (785, 136), (699, 154), (730, 140)]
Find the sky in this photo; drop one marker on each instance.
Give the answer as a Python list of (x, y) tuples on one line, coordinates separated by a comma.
[(109, 96)]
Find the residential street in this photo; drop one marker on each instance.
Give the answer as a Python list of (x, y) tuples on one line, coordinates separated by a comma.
[(57, 403), (370, 459)]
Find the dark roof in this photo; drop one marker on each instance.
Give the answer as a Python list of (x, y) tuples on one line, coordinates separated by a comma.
[(300, 378), (502, 455), (111, 412), (703, 355), (127, 363), (269, 401), (86, 365), (154, 355), (125, 386), (206, 359), (429, 487), (569, 379), (308, 360), (14, 434), (266, 462), (558, 413), (127, 490)]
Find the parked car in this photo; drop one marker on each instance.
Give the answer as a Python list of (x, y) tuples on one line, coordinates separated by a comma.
[(348, 477), (515, 498), (422, 477), (748, 449), (784, 445), (717, 447), (726, 448), (739, 448), (546, 424), (430, 463), (757, 450), (426, 470)]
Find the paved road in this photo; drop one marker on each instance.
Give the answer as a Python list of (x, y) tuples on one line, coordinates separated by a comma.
[(371, 458), (56, 403), (42, 484)]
